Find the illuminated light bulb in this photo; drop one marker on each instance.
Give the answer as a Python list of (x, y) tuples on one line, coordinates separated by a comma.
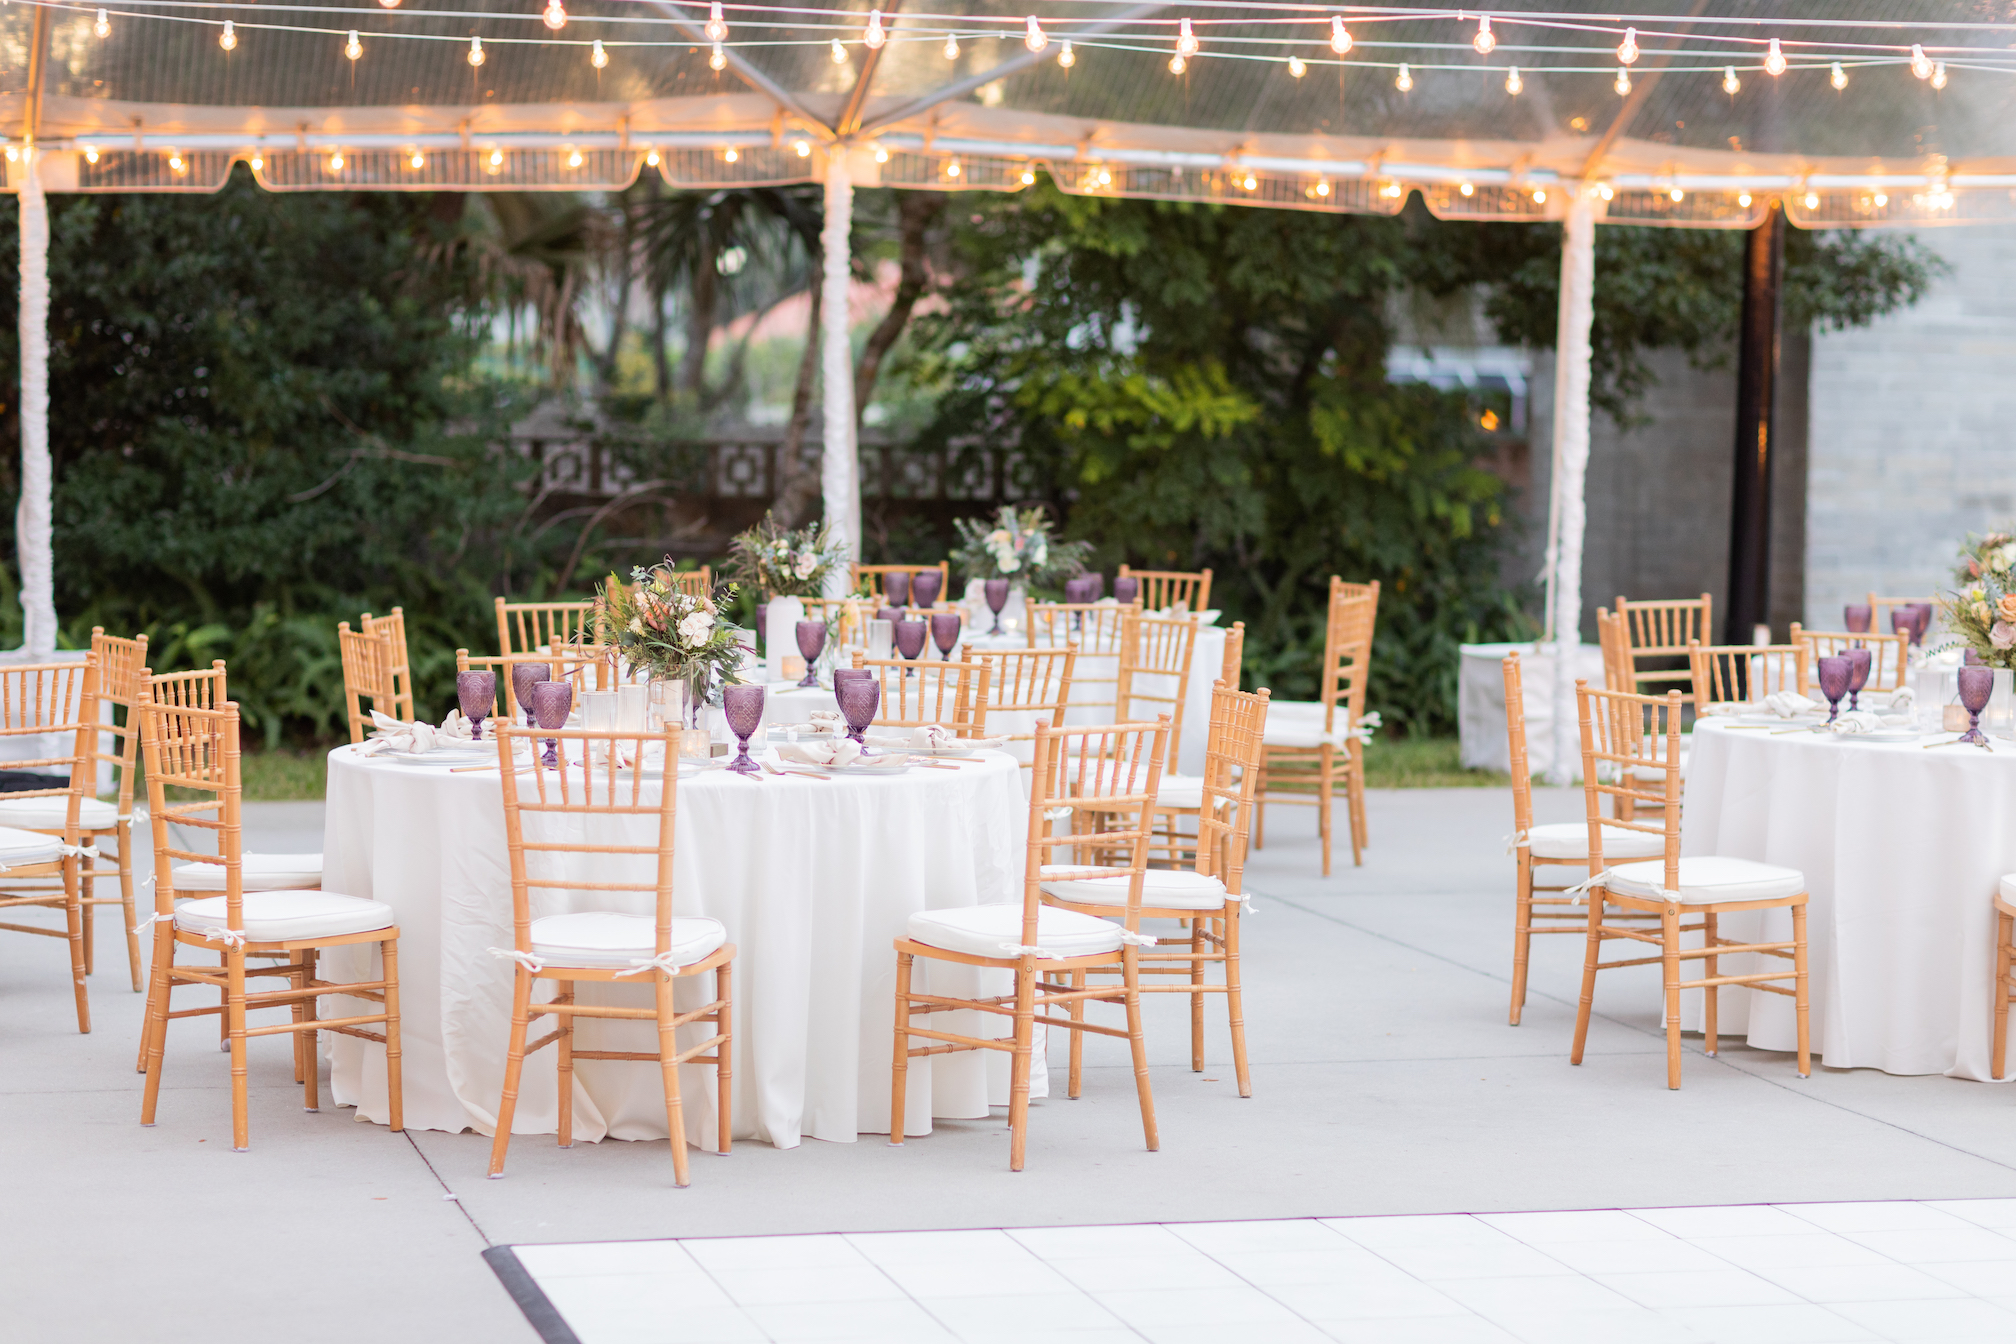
[(13, 154), (1838, 77), (839, 53), (1249, 182), (803, 148), (1729, 81), (1105, 178), (1627, 51), (573, 158), (1403, 81), (651, 156), (731, 155), (1035, 38), (258, 162), (90, 153), (1540, 197), (952, 168), (389, 4), (1882, 199), (554, 16), (1939, 75), (496, 158), (1391, 191), (1322, 187), (1921, 64), (1677, 195), (1467, 189), (598, 57), (1605, 192), (1028, 177), (717, 27), (1774, 60), (719, 60), (1744, 200), (1340, 41), (1485, 40), (181, 165), (418, 160), (475, 51), (1296, 67), (1513, 84), (1177, 65), (228, 39), (874, 37), (881, 154), (102, 26), (1067, 57), (951, 47), (1623, 84), (1186, 41), (1812, 200), (353, 48), (335, 162)]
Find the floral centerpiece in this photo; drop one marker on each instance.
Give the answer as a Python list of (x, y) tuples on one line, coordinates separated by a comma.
[(1982, 610), (673, 635), (1017, 546), (785, 561)]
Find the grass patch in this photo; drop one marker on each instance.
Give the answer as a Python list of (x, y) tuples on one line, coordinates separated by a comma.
[(1423, 763), (283, 776)]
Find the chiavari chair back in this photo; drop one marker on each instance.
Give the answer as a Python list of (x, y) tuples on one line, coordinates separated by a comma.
[(1616, 647), (393, 628), (121, 667), (1098, 629), (1233, 665), (1656, 636), (867, 579), (588, 667), (955, 695), (529, 627), (693, 582), (597, 825), (1881, 607), (1171, 589), (1889, 656), (1744, 672), (1155, 672), (1313, 745), (367, 675)]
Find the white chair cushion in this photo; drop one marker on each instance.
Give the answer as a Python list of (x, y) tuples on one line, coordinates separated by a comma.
[(19, 848), (1180, 791), (256, 872), (995, 930), (601, 939), (1299, 723), (2009, 887), (49, 813), (1570, 840), (1168, 889), (284, 916), (1708, 879)]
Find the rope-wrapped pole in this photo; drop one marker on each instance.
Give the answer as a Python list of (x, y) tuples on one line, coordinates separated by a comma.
[(839, 472), (32, 529), (1571, 465)]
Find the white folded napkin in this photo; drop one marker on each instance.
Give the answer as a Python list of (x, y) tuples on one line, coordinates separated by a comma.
[(839, 751), (1903, 698), (1724, 709), (828, 721), (1869, 721), (932, 736), (389, 734), (1791, 704)]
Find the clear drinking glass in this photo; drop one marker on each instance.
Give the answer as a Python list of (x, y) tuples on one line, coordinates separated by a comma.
[(742, 706), (881, 635), (524, 676), (811, 643), (476, 692), (859, 698), (551, 703), (1834, 677), (1977, 684), (997, 598), (924, 586)]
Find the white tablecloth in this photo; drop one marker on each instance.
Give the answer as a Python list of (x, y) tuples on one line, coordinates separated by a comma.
[(813, 880), (1480, 701), (1902, 848)]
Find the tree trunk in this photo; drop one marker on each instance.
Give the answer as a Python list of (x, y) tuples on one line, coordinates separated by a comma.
[(701, 305), (797, 487), (917, 212), (661, 371)]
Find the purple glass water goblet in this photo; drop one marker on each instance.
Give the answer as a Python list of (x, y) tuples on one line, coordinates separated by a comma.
[(1126, 590), (811, 643), (945, 632), (1904, 621), (891, 614), (742, 706), (524, 676), (910, 641), (896, 588), (997, 599), (1924, 612), (476, 692), (1834, 677), (859, 698), (1856, 614), (1860, 661), (1976, 685), (1095, 584), (552, 701), (924, 586)]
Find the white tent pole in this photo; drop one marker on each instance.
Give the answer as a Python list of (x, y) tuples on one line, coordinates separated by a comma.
[(1571, 462), (32, 532), (839, 471)]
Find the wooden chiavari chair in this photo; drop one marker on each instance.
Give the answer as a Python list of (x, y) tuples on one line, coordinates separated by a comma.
[(367, 675), (1230, 669), (58, 701), (694, 582), (1656, 636), (1624, 737), (1889, 657), (1206, 897), (1036, 682), (1309, 751), (558, 828), (1616, 647), (529, 627), (393, 628), (1098, 629), (1548, 909), (590, 667), (1743, 672), (1171, 589), (195, 751), (1102, 781), (1155, 680), (956, 695), (868, 579)]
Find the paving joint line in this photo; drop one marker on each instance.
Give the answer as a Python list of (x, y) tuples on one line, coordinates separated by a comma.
[(448, 1191)]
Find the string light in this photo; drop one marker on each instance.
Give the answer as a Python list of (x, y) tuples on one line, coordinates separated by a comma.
[(1391, 191), (1627, 51), (1729, 81), (475, 51), (1677, 195), (804, 149), (13, 154), (1403, 81), (717, 27), (1540, 196), (353, 48), (1105, 178), (1744, 200), (1882, 199), (731, 155), (418, 160), (874, 37), (1177, 65), (1604, 190), (951, 47), (1028, 177), (1921, 65), (1838, 77), (1186, 41), (1296, 68), (598, 57), (1623, 84), (258, 160), (1035, 38), (1249, 182), (554, 16), (1066, 57), (228, 39), (389, 4), (90, 153), (839, 53), (1812, 200), (1513, 84), (335, 162), (573, 158), (1484, 41), (103, 26), (1774, 60), (952, 168), (719, 59), (1467, 189), (881, 153), (180, 164), (1939, 75), (1340, 41), (497, 158), (1322, 186), (651, 156)]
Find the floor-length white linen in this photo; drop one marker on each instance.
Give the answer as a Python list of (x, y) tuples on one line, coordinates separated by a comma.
[(814, 879), (1902, 848)]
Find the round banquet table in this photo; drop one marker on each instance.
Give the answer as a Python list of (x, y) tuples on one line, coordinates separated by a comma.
[(1902, 848), (813, 879)]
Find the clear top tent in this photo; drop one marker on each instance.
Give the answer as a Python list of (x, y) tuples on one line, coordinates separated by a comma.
[(1714, 114)]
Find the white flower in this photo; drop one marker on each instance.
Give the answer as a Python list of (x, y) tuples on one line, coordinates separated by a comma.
[(695, 628), (1009, 564), (2007, 555), (1000, 537), (806, 564), (636, 625), (2003, 635), (1039, 553), (1998, 561)]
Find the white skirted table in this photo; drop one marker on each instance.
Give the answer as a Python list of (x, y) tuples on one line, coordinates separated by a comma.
[(813, 878), (1902, 848)]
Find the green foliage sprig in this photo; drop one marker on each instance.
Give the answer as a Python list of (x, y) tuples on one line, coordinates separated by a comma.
[(674, 634), (784, 561), (1017, 546)]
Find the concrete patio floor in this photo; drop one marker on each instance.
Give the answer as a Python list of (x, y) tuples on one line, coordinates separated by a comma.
[(1386, 1081)]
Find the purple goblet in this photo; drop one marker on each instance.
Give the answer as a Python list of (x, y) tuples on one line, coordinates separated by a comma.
[(889, 613), (924, 586), (1095, 583), (1972, 658), (910, 641), (742, 706), (997, 598), (945, 631), (524, 676), (477, 694), (1856, 614), (1976, 685), (811, 642), (1834, 677), (1126, 590), (896, 588), (859, 698), (1924, 611), (1904, 621), (551, 702), (1860, 661)]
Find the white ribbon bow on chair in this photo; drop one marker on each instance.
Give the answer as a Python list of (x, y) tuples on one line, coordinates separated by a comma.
[(1138, 939), (1025, 950), (662, 962), (1581, 889), (525, 959), (154, 918), (228, 937)]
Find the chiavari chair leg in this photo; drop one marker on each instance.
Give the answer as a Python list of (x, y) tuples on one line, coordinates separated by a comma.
[(1130, 965), (724, 1073), (1260, 806), (1669, 963), (1522, 933), (1589, 957), (157, 1019), (1235, 1001), (1799, 1002), (223, 1004), (1018, 1068), (514, 1068), (395, 1069), (298, 980), (1198, 947), (1326, 780), (234, 1012), (126, 906), (87, 881), (1355, 785), (563, 1046), (73, 915), (899, 1072), (668, 1066), (1708, 1008), (2005, 930), (1077, 1037)]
